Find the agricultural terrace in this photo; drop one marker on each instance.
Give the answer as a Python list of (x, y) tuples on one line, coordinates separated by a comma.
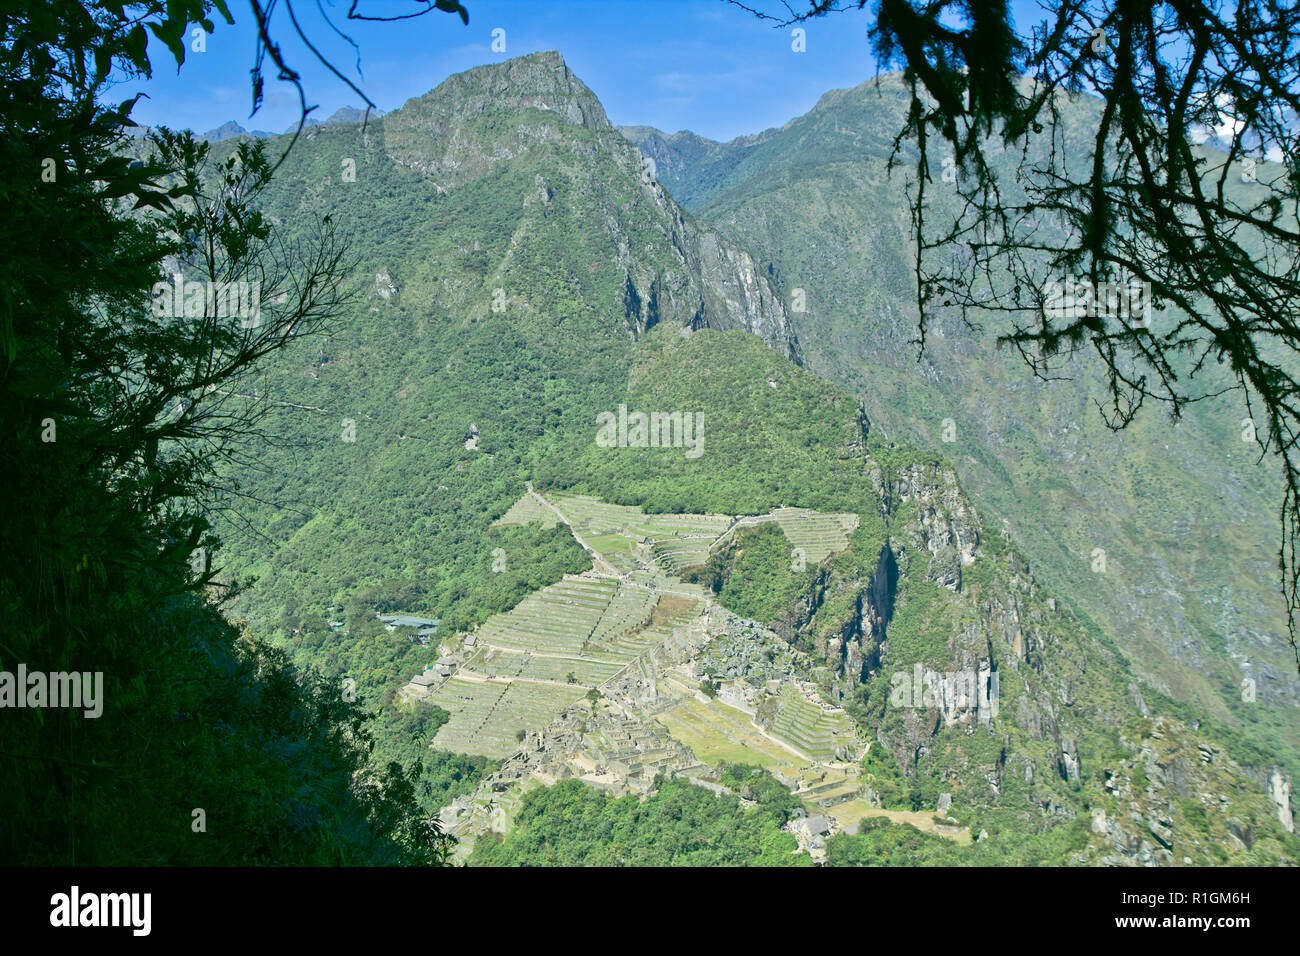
[(819, 533), (539, 658), (719, 734), (487, 715), (680, 541), (811, 727), (528, 510)]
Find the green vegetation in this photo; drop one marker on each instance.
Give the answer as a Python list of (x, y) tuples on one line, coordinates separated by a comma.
[(1036, 457), (922, 626), (570, 824), (437, 358), (209, 748), (465, 347), (882, 774), (879, 842), (758, 784), (719, 735), (764, 447), (532, 380), (810, 727), (752, 575)]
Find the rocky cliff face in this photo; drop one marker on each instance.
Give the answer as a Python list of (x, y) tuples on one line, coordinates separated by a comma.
[(943, 525), (436, 133), (715, 285), (1188, 593), (1177, 799), (487, 120), (941, 529), (977, 679)]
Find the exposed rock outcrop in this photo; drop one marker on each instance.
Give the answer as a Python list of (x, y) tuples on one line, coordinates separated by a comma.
[(483, 120)]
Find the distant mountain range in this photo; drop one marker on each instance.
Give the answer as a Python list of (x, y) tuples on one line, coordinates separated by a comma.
[(232, 130)]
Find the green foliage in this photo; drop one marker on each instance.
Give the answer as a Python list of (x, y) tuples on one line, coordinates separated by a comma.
[(752, 573), (795, 444), (921, 627), (435, 358), (758, 784), (210, 748), (850, 573), (1035, 455), (881, 843), (395, 512), (679, 824), (882, 773)]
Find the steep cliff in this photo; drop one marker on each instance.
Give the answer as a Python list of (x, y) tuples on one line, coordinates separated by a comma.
[(980, 683), (489, 119), (1163, 533)]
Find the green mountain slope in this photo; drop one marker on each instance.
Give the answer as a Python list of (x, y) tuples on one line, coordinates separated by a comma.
[(502, 303), (521, 283), (1164, 533)]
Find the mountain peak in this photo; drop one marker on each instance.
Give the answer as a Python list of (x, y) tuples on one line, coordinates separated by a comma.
[(539, 80), (227, 130)]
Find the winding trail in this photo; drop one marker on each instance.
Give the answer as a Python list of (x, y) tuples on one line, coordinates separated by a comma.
[(599, 562)]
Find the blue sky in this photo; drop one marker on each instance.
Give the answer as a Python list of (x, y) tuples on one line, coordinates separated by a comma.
[(702, 65), (675, 64)]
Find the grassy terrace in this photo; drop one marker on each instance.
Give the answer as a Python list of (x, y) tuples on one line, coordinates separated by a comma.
[(584, 671), (670, 613), (550, 649), (819, 534), (852, 812), (630, 609), (808, 727), (555, 620), (487, 715), (528, 510), (680, 541), (540, 657), (677, 540), (720, 734), (683, 541), (615, 549), (677, 554), (592, 516)]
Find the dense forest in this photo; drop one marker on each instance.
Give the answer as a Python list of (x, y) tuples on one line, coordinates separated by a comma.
[(208, 746)]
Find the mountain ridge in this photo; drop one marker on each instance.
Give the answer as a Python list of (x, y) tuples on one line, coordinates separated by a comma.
[(813, 205)]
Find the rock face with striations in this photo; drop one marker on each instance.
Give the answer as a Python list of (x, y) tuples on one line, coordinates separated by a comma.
[(482, 122)]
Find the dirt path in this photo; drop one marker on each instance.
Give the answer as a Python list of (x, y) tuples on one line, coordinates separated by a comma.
[(600, 563)]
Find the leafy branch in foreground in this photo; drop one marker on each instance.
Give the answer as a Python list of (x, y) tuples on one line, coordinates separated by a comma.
[(131, 309)]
